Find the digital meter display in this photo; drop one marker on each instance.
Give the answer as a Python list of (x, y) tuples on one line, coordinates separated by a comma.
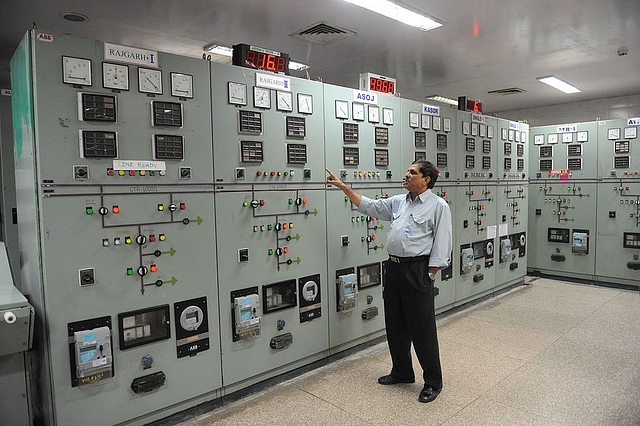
[(261, 59), (377, 83), (467, 104)]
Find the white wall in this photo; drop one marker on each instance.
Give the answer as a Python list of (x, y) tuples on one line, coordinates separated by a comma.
[(578, 112)]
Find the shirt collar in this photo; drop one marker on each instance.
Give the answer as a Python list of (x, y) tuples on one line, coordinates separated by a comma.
[(423, 197)]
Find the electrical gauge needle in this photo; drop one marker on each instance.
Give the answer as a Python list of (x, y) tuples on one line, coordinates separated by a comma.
[(154, 86)]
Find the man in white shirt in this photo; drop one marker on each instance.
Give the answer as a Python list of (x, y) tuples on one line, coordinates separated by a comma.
[(419, 243)]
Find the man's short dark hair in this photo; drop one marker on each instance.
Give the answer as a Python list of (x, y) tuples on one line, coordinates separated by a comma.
[(428, 169)]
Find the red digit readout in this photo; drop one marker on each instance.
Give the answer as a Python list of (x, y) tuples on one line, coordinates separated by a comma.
[(266, 61), (379, 85)]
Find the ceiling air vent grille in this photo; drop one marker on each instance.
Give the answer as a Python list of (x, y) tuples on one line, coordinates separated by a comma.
[(323, 33), (505, 92)]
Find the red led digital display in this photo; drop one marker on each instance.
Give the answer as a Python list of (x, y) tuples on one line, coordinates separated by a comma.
[(380, 85), (473, 105), (265, 61), (261, 59), (467, 104)]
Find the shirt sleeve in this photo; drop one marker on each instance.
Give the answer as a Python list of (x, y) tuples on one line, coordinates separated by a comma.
[(381, 209), (442, 238)]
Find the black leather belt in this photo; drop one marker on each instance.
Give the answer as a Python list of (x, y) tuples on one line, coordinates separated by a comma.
[(397, 259)]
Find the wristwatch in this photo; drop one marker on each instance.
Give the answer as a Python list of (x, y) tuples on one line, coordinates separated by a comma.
[(432, 276)]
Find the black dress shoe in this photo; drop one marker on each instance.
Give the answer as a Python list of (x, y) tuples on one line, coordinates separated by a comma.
[(390, 380), (428, 394)]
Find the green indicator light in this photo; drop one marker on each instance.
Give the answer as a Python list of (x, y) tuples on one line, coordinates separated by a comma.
[(286, 173), (89, 210), (631, 215), (152, 173), (568, 188), (160, 207), (540, 188), (270, 252), (615, 188), (363, 239), (377, 197), (127, 240), (269, 227), (290, 201), (129, 271), (246, 203), (362, 218), (346, 199)]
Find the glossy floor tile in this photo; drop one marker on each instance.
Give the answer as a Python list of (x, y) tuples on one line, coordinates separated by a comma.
[(548, 353)]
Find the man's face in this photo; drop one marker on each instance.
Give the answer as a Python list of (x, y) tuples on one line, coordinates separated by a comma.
[(414, 182)]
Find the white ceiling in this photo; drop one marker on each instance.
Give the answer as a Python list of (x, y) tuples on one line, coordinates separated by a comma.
[(484, 45)]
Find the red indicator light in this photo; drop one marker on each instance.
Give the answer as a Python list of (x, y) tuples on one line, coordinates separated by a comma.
[(183, 206), (115, 209), (153, 268)]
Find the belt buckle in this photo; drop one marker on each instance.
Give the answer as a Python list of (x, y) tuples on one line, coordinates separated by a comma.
[(394, 259)]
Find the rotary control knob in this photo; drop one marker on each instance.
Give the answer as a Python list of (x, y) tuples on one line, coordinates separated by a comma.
[(103, 211), (489, 248), (173, 207), (255, 203), (143, 270), (278, 227), (141, 239), (279, 252), (299, 201)]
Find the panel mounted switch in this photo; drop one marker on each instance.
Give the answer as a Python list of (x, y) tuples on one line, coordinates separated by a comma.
[(185, 172), (87, 277), (148, 383), (243, 255), (344, 241)]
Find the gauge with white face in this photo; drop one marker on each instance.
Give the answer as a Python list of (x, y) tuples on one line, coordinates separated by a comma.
[(284, 101), (261, 97), (374, 114), (305, 103), (342, 109), (387, 116), (76, 71), (115, 76), (149, 81), (181, 85), (237, 93)]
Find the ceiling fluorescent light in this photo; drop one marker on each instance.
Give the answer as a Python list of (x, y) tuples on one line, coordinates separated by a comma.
[(558, 84), (444, 100), (399, 13), (218, 50), (297, 66)]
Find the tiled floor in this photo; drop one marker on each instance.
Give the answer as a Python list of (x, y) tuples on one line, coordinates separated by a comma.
[(550, 353)]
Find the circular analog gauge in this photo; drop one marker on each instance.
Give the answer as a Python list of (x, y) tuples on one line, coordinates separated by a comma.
[(76, 71), (261, 97), (358, 111), (284, 101), (342, 109), (374, 114), (305, 103), (181, 85), (115, 76), (387, 116), (149, 81)]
